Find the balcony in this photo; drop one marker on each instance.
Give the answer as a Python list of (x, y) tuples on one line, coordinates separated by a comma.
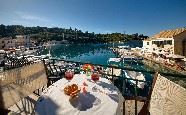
[(134, 98)]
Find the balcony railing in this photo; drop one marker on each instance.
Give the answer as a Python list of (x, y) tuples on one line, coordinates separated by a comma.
[(128, 90), (55, 69)]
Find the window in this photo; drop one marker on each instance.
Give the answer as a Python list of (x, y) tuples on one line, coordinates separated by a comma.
[(169, 42), (155, 42), (147, 43)]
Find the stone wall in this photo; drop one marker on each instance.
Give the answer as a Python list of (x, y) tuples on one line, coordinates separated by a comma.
[(179, 44)]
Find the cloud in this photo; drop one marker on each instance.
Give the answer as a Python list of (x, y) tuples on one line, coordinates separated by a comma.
[(22, 22), (107, 31), (30, 17)]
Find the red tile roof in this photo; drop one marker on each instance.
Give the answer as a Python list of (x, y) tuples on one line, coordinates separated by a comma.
[(169, 33)]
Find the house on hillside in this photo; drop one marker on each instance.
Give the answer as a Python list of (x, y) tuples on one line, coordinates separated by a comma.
[(7, 43), (171, 41), (24, 40)]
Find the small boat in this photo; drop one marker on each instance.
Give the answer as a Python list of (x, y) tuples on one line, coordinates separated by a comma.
[(124, 47), (28, 52), (126, 73), (135, 75), (131, 58), (115, 61), (64, 42)]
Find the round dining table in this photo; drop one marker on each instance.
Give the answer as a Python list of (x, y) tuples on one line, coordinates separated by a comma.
[(100, 98)]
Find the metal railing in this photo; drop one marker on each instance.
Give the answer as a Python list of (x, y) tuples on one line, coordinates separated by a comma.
[(124, 80), (12, 63), (56, 72)]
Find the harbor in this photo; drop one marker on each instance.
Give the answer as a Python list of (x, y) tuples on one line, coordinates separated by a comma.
[(92, 57), (121, 55), (124, 65), (130, 56), (134, 90)]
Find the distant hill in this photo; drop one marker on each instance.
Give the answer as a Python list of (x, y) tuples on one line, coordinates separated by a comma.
[(42, 34)]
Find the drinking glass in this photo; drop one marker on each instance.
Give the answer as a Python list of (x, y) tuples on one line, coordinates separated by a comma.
[(95, 78), (69, 75)]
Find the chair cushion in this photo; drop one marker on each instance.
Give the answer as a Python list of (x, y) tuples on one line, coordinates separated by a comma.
[(168, 98)]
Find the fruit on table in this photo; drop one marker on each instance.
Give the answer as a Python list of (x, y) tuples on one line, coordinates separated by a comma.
[(67, 90), (71, 90)]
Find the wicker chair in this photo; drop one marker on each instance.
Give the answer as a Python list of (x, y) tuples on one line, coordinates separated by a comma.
[(17, 87)]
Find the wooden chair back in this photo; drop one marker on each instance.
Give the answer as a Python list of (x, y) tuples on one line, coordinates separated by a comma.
[(165, 98), (18, 83)]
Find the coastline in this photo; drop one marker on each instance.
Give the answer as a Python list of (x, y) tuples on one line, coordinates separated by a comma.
[(152, 63)]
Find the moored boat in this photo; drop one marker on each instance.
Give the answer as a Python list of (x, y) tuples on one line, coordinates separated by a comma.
[(137, 76)]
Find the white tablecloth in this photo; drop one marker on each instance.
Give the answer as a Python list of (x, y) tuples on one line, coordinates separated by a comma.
[(106, 101)]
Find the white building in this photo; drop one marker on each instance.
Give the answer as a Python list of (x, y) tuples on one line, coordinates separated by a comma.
[(52, 42), (171, 41)]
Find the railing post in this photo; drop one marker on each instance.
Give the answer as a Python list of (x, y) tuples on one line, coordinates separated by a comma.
[(112, 75), (123, 91), (53, 61), (136, 97), (124, 83)]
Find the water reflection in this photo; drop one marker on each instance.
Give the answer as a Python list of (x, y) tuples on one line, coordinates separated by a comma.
[(94, 53)]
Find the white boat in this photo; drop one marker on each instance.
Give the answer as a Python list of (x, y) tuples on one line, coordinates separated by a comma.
[(137, 76), (51, 43), (131, 58), (128, 74), (64, 42), (28, 52), (114, 60), (124, 47)]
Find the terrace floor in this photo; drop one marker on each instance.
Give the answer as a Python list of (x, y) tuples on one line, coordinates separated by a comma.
[(26, 106)]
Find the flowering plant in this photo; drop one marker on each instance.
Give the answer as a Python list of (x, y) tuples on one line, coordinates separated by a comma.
[(88, 67)]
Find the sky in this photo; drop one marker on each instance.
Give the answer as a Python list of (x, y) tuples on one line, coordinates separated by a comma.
[(146, 17)]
